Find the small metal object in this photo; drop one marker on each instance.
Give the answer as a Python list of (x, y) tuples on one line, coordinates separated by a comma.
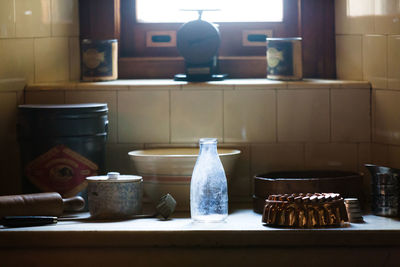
[(25, 221), (99, 60), (385, 190), (284, 59), (353, 210), (166, 206)]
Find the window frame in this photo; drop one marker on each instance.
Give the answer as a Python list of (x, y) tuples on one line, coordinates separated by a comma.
[(313, 20)]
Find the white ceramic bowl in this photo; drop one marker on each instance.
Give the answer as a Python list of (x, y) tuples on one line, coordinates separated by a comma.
[(169, 170)]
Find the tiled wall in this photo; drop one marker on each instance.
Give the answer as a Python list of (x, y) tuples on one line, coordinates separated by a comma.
[(368, 48), (278, 126), (39, 40), (301, 127), (11, 94)]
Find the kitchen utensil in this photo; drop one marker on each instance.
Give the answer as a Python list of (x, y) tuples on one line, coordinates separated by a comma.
[(165, 208), (385, 190), (51, 204), (304, 210), (347, 184), (114, 196), (353, 210), (169, 170)]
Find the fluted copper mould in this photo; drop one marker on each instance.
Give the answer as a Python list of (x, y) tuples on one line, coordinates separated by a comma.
[(305, 210)]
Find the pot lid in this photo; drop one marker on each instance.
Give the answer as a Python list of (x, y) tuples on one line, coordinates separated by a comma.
[(114, 177)]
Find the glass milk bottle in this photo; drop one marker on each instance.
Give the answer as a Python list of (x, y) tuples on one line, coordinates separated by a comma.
[(208, 187)]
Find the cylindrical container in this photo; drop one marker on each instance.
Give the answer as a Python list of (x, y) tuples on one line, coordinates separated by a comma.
[(114, 196), (61, 145), (284, 59), (347, 184), (208, 187), (385, 190), (99, 60)]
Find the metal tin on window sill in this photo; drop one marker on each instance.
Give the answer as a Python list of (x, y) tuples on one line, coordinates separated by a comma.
[(99, 60), (284, 59)]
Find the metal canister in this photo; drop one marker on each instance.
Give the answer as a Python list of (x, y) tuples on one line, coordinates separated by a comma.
[(284, 59), (61, 145), (99, 60), (114, 196), (385, 190)]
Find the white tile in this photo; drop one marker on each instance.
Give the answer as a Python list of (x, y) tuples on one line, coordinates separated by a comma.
[(387, 16), (240, 180), (250, 116), (45, 97), (12, 85), (51, 59), (394, 156), (303, 115), (33, 18), (7, 18), (64, 18), (143, 117), (365, 157), (276, 157), (394, 62), (387, 121), (331, 156), (196, 114), (17, 60), (349, 57), (117, 158), (375, 60), (350, 115), (74, 59), (8, 117), (354, 16), (207, 86), (380, 154), (72, 97)]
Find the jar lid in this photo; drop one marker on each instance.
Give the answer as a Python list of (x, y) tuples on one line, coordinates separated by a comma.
[(114, 177)]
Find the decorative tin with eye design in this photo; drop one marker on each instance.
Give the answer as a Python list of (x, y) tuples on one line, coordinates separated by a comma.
[(99, 60), (284, 59)]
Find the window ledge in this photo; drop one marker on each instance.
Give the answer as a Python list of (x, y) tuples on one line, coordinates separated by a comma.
[(229, 84)]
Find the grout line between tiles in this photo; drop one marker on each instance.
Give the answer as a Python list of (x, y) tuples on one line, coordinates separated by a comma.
[(276, 116), (330, 115), (117, 117), (250, 175), (170, 114), (223, 116)]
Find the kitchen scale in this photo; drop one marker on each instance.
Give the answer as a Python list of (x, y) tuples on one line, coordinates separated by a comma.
[(198, 42)]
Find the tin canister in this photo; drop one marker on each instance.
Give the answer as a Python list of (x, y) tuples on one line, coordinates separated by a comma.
[(61, 145), (114, 196), (284, 59), (385, 190), (99, 60)]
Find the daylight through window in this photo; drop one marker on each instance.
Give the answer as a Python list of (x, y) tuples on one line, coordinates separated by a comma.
[(160, 11)]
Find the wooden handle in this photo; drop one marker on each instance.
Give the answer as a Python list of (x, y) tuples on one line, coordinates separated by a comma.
[(41, 204), (76, 203)]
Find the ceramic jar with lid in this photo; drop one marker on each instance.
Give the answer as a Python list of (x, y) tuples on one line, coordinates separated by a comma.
[(114, 196)]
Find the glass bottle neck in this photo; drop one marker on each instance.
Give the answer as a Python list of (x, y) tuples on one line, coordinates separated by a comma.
[(208, 145)]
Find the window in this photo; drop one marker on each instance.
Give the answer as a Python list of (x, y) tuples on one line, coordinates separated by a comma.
[(121, 19), (216, 11)]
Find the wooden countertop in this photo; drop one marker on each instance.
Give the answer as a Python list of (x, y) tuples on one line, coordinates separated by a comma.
[(243, 228)]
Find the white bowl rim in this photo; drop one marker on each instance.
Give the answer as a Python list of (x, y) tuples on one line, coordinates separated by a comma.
[(137, 153)]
